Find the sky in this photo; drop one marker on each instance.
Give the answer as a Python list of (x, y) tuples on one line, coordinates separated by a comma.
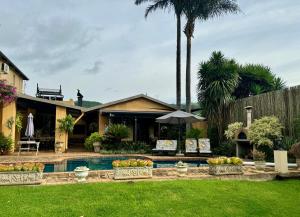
[(109, 51)]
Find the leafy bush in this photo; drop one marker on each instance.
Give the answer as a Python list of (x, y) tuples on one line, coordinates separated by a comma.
[(258, 155), (5, 144), (19, 119), (295, 150), (66, 124), (30, 167), (225, 149), (132, 163), (264, 131), (194, 133), (94, 137), (286, 143), (125, 147), (225, 160), (233, 129), (116, 132)]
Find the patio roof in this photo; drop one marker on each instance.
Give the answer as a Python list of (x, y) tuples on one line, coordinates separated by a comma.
[(52, 102)]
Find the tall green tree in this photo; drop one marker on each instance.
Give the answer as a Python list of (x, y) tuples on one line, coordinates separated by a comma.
[(218, 78), (257, 79), (177, 7), (201, 10)]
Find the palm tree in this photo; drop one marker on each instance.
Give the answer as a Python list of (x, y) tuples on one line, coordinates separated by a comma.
[(177, 6), (218, 78), (201, 10)]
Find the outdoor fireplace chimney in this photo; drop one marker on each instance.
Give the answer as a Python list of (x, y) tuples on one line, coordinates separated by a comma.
[(249, 115), (79, 98)]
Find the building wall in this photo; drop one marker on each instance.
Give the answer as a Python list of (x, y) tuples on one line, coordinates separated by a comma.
[(12, 78), (61, 112), (8, 111), (202, 125)]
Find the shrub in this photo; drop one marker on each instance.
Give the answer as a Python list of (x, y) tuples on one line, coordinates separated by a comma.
[(258, 155), (125, 147), (225, 161), (5, 144), (66, 124), (94, 137), (295, 150), (225, 149), (116, 132), (233, 129), (264, 131), (8, 92), (30, 167), (132, 163), (194, 133)]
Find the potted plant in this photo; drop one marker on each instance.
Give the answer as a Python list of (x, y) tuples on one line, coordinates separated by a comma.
[(259, 159), (5, 144), (66, 125), (21, 173), (225, 166), (116, 132), (295, 150), (93, 141), (81, 173), (182, 168), (132, 169)]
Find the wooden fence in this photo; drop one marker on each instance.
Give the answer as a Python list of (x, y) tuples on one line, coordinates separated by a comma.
[(284, 104)]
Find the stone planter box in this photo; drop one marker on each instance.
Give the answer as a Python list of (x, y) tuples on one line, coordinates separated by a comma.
[(132, 173), (20, 178), (218, 170)]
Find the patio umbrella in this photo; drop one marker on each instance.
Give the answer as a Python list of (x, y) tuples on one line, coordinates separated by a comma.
[(179, 117), (30, 127)]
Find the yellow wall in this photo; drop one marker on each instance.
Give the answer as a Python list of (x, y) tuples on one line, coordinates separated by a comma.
[(202, 125), (103, 123), (140, 104), (12, 78), (8, 111), (61, 112)]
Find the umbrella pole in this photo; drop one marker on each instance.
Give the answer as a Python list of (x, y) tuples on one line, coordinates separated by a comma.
[(179, 136)]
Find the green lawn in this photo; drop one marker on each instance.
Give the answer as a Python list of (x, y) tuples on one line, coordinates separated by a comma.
[(165, 198)]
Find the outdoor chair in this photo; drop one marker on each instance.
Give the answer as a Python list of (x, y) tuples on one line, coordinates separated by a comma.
[(204, 146), (191, 146), (165, 146)]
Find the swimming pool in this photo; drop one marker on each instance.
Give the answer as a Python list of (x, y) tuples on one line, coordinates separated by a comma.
[(105, 163)]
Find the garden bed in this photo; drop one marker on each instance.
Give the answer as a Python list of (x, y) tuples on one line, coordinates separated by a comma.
[(20, 178), (225, 170), (133, 173)]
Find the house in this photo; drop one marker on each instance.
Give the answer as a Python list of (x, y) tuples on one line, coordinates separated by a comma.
[(137, 112)]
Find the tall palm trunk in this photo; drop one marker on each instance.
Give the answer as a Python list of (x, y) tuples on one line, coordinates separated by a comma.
[(189, 29), (178, 63)]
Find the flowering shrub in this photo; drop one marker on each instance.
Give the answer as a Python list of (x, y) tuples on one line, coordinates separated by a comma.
[(8, 92), (258, 155), (225, 160), (132, 163), (233, 129), (263, 131), (30, 167)]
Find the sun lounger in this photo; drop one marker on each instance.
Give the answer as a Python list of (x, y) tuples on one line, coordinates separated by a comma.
[(191, 146), (204, 146), (165, 146)]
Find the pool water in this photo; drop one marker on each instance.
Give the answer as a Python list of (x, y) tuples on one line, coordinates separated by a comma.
[(105, 163)]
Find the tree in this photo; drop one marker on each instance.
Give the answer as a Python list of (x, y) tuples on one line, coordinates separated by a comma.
[(201, 10), (257, 79), (218, 78), (177, 6)]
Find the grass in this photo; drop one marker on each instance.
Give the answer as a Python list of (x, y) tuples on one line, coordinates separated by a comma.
[(165, 198)]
